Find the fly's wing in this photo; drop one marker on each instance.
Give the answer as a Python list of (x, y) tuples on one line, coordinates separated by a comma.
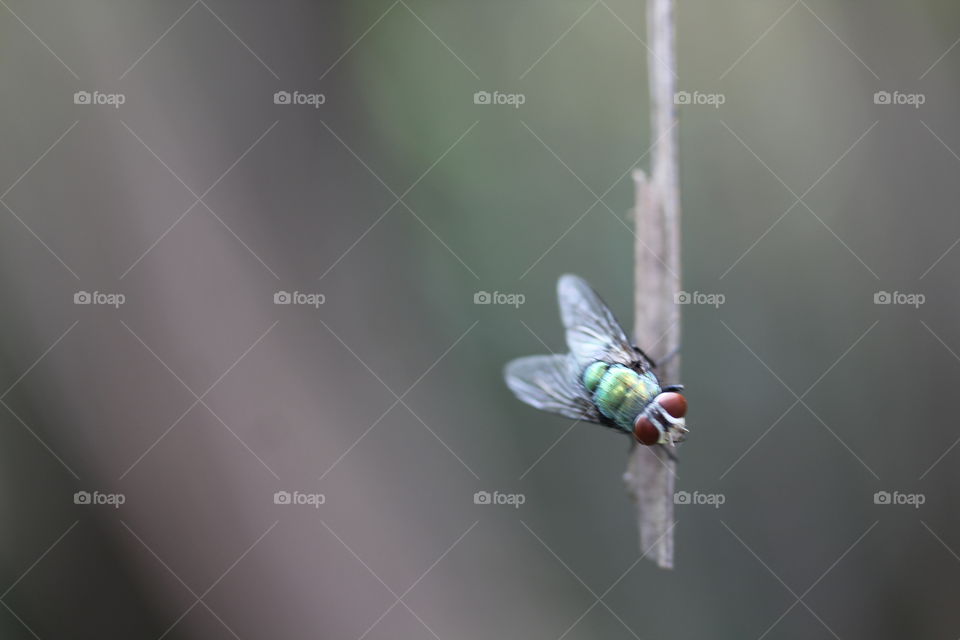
[(550, 383), (592, 332)]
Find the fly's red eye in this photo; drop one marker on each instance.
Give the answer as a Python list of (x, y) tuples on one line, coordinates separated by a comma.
[(645, 431), (674, 403)]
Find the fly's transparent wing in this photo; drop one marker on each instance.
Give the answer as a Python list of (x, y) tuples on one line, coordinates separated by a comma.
[(550, 383), (592, 331)]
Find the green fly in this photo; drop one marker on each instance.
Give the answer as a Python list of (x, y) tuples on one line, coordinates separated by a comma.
[(604, 379)]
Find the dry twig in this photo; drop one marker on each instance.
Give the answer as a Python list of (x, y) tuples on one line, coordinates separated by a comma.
[(651, 471)]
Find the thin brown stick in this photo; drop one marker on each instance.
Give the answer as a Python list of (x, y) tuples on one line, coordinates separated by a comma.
[(651, 471)]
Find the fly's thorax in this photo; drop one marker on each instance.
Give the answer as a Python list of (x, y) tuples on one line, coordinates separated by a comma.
[(619, 392)]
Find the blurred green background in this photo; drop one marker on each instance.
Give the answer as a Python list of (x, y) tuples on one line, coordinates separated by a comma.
[(398, 199)]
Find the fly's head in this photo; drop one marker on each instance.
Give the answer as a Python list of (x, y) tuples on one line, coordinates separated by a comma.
[(661, 421)]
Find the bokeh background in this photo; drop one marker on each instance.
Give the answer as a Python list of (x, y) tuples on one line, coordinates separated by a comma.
[(399, 199)]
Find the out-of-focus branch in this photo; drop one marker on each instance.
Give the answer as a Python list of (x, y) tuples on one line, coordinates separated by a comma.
[(651, 470)]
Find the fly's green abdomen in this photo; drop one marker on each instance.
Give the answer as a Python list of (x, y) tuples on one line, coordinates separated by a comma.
[(593, 374), (619, 392)]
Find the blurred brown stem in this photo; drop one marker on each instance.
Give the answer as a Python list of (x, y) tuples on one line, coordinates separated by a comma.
[(651, 471)]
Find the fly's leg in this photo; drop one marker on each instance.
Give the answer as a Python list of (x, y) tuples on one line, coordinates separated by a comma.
[(676, 423), (667, 424), (667, 358), (674, 428), (664, 429), (672, 387), (670, 453), (667, 450), (647, 359)]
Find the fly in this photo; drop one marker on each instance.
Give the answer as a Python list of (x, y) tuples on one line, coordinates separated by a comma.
[(604, 378)]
